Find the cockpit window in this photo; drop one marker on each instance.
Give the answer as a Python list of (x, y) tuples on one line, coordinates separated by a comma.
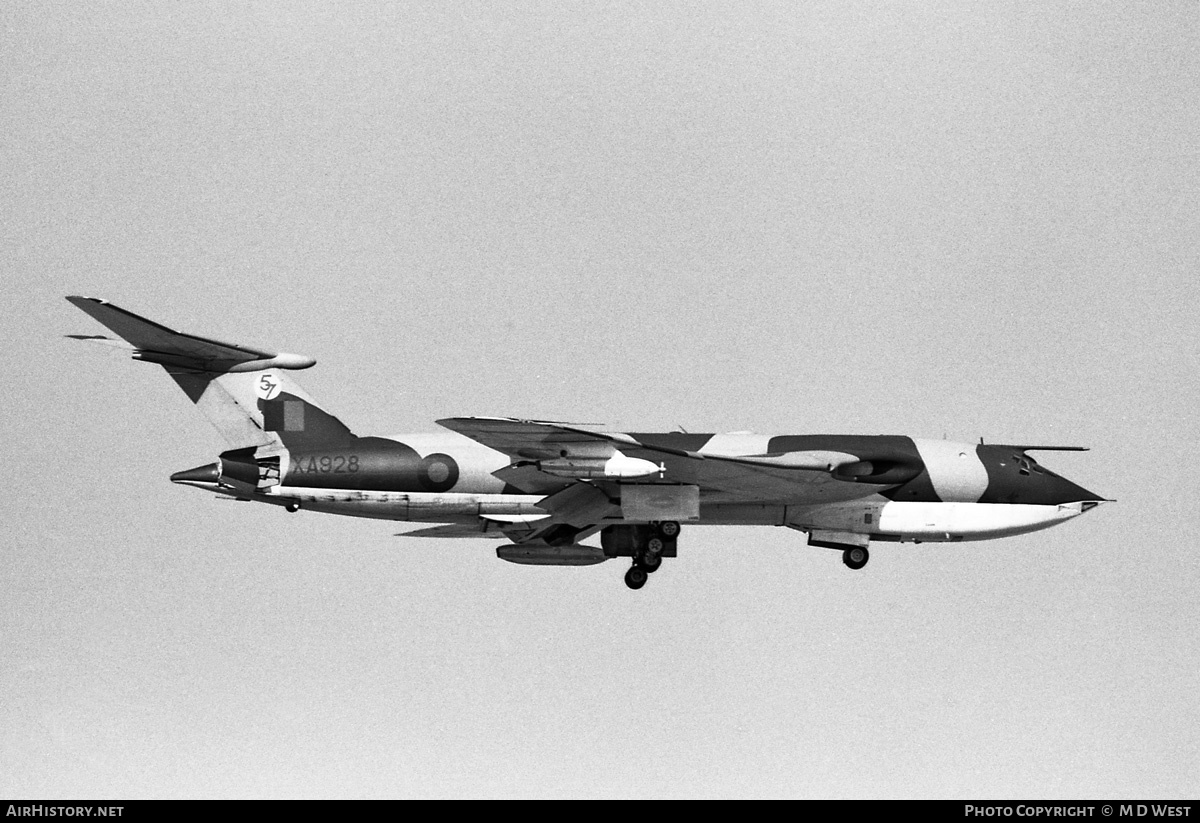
[(1024, 463)]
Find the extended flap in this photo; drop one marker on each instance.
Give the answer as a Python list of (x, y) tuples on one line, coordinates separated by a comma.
[(580, 505)]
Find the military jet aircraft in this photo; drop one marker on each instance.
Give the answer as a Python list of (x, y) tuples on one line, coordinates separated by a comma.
[(544, 487)]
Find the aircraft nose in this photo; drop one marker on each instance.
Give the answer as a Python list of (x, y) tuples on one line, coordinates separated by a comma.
[(1082, 506), (1064, 491), (1015, 477)]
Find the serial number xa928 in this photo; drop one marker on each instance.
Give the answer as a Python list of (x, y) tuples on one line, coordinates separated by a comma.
[(326, 464)]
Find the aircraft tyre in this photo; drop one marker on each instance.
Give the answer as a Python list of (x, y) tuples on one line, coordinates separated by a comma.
[(651, 563), (294, 506), (668, 529), (636, 577), (655, 545), (856, 557)]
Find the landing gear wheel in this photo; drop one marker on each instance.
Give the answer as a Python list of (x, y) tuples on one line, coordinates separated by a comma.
[(651, 563), (655, 545), (636, 577), (856, 557), (668, 529), (294, 506)]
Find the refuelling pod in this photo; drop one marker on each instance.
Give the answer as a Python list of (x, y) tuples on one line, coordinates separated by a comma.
[(537, 555)]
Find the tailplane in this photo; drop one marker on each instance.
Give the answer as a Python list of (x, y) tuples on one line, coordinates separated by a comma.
[(244, 392)]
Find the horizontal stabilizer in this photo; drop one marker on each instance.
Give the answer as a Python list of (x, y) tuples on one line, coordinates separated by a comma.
[(156, 343)]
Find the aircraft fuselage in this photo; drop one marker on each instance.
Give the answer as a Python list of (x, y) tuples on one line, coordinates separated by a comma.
[(957, 491)]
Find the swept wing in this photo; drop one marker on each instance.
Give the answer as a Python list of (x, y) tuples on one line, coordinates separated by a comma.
[(793, 477)]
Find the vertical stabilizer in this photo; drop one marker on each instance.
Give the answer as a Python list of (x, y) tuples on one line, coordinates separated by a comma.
[(244, 392)]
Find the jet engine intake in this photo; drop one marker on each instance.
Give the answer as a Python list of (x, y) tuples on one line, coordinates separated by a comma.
[(880, 472)]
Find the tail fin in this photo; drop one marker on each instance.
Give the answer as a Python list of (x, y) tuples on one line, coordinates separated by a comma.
[(243, 391)]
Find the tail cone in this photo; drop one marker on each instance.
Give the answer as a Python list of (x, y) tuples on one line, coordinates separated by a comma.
[(201, 474)]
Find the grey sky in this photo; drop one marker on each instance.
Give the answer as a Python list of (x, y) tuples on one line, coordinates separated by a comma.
[(917, 218)]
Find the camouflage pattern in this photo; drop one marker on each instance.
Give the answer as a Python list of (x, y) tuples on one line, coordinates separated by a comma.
[(545, 487)]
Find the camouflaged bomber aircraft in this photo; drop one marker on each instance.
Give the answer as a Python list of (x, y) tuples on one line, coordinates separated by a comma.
[(545, 487)]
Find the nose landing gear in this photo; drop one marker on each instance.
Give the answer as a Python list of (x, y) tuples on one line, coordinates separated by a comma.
[(856, 557)]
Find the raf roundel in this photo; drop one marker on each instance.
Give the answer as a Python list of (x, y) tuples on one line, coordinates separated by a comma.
[(438, 472)]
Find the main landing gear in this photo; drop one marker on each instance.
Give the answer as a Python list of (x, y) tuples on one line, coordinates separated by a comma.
[(648, 552), (856, 557)]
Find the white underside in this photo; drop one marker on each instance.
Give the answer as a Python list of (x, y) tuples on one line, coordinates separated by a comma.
[(425, 507), (896, 519), (970, 521)]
